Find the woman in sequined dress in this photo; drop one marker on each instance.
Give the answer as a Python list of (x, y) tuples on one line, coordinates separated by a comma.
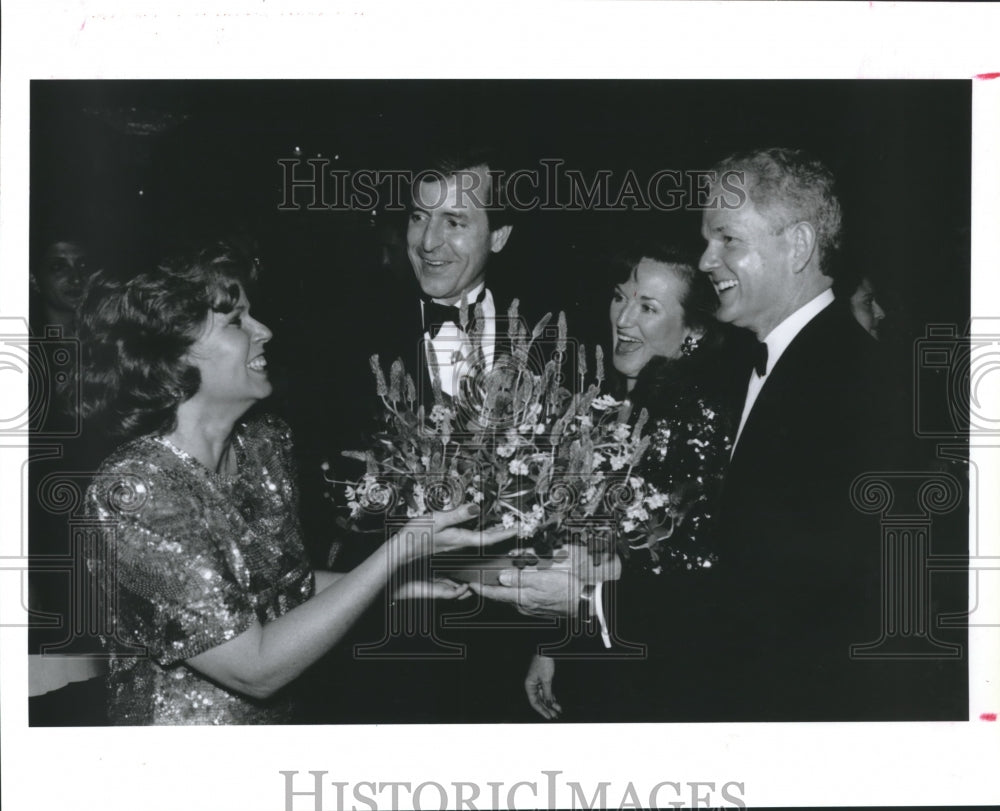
[(666, 350), (214, 607)]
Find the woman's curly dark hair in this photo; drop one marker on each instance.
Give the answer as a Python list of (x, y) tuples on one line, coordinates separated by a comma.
[(135, 332)]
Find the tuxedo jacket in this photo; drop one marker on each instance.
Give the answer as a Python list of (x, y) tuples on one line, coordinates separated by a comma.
[(766, 634), (401, 335)]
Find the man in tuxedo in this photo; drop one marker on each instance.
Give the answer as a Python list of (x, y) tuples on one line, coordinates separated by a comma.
[(445, 328), (767, 634), (457, 221)]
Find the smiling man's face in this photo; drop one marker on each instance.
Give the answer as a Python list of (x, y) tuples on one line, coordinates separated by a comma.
[(448, 239), (750, 264)]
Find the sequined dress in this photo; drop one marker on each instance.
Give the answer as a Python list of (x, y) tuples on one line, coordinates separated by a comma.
[(197, 557), (691, 429)]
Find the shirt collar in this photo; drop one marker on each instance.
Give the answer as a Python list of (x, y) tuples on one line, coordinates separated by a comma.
[(782, 335), (468, 297)]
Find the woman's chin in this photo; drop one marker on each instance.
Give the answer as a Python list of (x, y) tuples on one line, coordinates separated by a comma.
[(627, 365)]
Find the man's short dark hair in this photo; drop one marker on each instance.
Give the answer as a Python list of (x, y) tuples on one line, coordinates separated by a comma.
[(789, 186), (452, 162)]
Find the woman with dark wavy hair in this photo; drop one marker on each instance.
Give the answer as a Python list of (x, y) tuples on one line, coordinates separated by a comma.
[(667, 352), (215, 608)]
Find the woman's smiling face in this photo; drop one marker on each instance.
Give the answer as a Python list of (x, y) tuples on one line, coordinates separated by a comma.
[(647, 318), (229, 354)]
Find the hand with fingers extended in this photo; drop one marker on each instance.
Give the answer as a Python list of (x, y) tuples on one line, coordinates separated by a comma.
[(538, 686), (536, 592), (439, 532), (440, 588)]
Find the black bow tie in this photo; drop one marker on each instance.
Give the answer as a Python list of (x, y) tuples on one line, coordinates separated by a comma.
[(760, 358), (437, 315)]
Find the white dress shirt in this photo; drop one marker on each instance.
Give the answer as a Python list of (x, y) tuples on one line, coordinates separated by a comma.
[(777, 342), (449, 352)]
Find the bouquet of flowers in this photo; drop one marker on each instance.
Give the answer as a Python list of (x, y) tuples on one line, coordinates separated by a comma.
[(518, 441)]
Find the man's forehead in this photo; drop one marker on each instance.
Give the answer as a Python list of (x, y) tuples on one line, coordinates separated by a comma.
[(65, 248), (721, 216), (462, 190)]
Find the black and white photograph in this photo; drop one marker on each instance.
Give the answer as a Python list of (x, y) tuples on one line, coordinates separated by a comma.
[(447, 413)]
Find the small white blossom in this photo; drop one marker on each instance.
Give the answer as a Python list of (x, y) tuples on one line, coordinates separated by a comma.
[(508, 520), (518, 467), (526, 529), (440, 413), (540, 428), (505, 450), (637, 513), (418, 499), (655, 500), (618, 462), (604, 402)]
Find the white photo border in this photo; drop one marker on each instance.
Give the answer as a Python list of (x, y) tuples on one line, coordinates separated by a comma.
[(239, 768)]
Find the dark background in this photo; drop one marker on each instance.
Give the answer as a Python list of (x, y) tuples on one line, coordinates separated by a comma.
[(204, 154)]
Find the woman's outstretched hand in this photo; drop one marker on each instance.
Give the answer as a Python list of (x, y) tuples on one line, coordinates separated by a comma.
[(538, 686), (439, 532), (440, 588)]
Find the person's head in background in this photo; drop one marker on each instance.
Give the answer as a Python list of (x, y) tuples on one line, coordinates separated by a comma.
[(865, 308), (60, 265), (860, 294)]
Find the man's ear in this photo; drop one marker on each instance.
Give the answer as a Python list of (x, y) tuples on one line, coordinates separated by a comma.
[(802, 238), (499, 237)]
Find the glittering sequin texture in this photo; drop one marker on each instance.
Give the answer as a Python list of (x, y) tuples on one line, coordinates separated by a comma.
[(194, 559), (690, 431), (687, 458)]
